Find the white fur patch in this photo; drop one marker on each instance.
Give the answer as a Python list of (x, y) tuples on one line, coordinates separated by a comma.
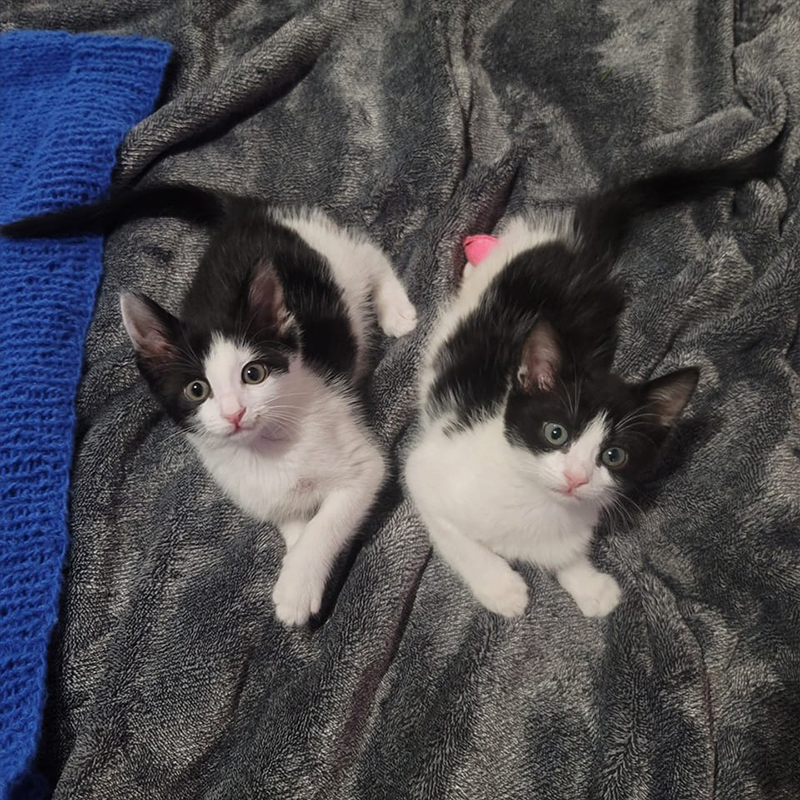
[(484, 500), (361, 270), (303, 457), (223, 371)]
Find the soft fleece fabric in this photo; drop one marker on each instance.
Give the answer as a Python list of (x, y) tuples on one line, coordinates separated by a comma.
[(425, 122), (65, 104)]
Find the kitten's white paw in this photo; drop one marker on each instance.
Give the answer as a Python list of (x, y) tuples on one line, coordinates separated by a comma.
[(505, 592), (297, 595), (597, 596), (396, 315)]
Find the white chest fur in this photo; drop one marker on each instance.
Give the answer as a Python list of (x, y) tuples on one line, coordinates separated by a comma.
[(479, 511), (286, 479), (469, 479), (272, 484)]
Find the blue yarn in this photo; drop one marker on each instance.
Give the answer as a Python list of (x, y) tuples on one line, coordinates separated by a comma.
[(66, 102)]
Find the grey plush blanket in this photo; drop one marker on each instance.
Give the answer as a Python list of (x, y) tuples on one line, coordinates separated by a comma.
[(423, 122)]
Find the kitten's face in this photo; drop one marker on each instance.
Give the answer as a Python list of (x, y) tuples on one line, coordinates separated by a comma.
[(588, 439), (240, 394), (236, 386)]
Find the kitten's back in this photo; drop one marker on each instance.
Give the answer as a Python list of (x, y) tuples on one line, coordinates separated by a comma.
[(558, 266)]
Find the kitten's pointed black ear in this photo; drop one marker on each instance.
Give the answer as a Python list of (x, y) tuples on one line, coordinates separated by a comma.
[(150, 327), (668, 395), (541, 359), (266, 302)]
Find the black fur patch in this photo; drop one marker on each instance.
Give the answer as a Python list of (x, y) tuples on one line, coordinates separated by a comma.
[(570, 287), (168, 375), (477, 363), (217, 300), (633, 424), (245, 238)]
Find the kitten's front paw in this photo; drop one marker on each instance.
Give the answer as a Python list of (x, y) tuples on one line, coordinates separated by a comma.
[(297, 595), (505, 592), (396, 315), (598, 595)]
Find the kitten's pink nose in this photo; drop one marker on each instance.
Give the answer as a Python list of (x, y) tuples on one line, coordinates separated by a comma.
[(575, 478), (236, 417)]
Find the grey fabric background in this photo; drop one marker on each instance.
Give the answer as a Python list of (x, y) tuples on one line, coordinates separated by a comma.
[(422, 122)]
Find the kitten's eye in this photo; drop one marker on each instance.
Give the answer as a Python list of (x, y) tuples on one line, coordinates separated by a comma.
[(254, 372), (556, 434), (197, 391), (614, 457)]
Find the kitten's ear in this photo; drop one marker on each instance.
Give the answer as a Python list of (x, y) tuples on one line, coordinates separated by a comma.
[(668, 395), (266, 301), (541, 359), (150, 327)]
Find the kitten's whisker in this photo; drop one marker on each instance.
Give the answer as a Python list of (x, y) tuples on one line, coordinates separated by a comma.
[(619, 501), (174, 435), (274, 409), (281, 407), (634, 504), (617, 509), (293, 394), (641, 435), (634, 416), (567, 398)]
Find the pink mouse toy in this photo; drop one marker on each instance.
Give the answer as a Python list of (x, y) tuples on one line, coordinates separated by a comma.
[(478, 247)]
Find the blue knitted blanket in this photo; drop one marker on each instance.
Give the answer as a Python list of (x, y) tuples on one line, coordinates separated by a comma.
[(65, 105)]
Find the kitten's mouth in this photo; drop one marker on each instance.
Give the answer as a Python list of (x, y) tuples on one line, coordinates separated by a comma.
[(239, 430), (251, 435)]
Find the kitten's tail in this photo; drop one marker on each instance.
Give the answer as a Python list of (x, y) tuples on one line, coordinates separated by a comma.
[(184, 201), (602, 221)]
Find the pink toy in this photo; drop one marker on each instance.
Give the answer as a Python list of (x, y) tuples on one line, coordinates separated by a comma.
[(478, 247)]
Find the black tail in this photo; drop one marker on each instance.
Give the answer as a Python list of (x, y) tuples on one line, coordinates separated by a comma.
[(183, 201), (603, 220)]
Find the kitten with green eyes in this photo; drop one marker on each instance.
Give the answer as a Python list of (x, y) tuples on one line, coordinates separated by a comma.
[(527, 436), (261, 369)]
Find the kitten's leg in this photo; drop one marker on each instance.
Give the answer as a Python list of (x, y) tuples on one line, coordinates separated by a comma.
[(304, 574), (596, 593), (490, 578), (355, 257), (292, 530), (396, 315)]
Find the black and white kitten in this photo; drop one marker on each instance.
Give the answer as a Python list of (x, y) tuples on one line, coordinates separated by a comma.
[(527, 436), (260, 368)]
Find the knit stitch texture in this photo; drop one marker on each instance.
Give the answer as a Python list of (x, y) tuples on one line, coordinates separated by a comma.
[(66, 103)]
